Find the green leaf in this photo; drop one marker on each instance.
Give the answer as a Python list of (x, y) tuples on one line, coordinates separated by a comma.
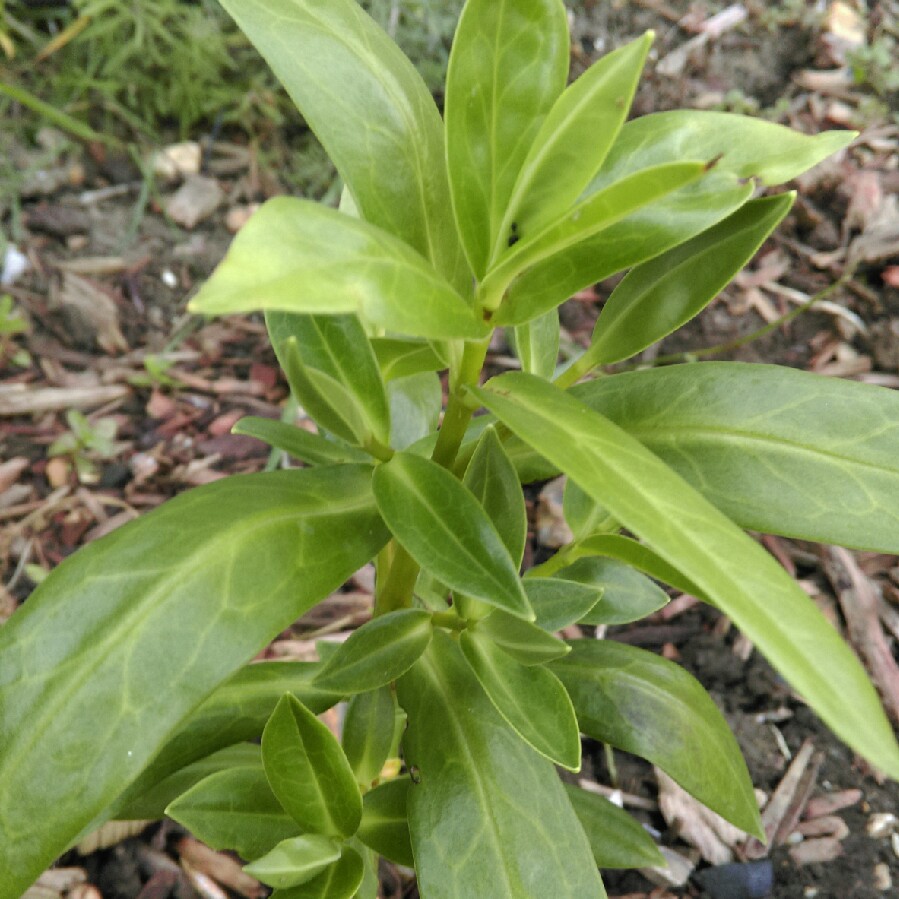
[(617, 840), (415, 405), (377, 653), (627, 595), (385, 825), (371, 111), (659, 296), (537, 344), (644, 704), (512, 831), (308, 771), (692, 535), (152, 803), (303, 445), (446, 530), (491, 477), (778, 450), (234, 810), (399, 357), (528, 644), (298, 256), (558, 602), (508, 65), (368, 731), (130, 634), (530, 699), (295, 860), (339, 881), (583, 514)]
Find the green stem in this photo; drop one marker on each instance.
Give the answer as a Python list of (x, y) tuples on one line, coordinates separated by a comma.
[(399, 582)]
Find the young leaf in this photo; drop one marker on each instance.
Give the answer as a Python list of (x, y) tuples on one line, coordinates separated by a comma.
[(617, 840), (491, 477), (531, 700), (446, 530), (415, 404), (399, 357), (558, 602), (129, 635), (627, 595), (368, 731), (234, 810), (339, 881), (295, 860), (689, 533), (303, 445), (528, 644), (507, 67), (583, 514), (778, 450), (385, 825), (537, 344), (370, 109), (308, 771), (299, 256), (377, 653), (644, 704), (659, 296), (512, 831)]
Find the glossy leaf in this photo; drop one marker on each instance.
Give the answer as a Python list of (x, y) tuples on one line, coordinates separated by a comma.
[(627, 595), (385, 825), (558, 602), (136, 629), (659, 296), (377, 653), (778, 450), (508, 65), (299, 256), (447, 531), (530, 699), (371, 111), (616, 838), (234, 810), (644, 704), (583, 514), (537, 344), (303, 445), (491, 477), (689, 533), (527, 643), (512, 831), (339, 881), (308, 771), (368, 731), (295, 860), (399, 357), (415, 405)]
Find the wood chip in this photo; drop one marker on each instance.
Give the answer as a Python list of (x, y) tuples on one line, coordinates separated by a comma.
[(19, 399), (194, 201), (823, 849), (827, 805), (219, 867), (825, 826)]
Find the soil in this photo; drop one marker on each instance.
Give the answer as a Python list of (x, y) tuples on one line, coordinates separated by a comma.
[(110, 273)]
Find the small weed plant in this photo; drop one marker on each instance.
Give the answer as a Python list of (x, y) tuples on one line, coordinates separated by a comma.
[(125, 688)]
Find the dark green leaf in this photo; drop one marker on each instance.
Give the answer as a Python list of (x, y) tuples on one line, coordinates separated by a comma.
[(377, 653), (399, 357), (127, 637), (385, 825), (303, 445), (308, 771), (339, 881), (446, 530), (644, 704), (617, 840), (295, 860), (558, 602), (415, 404), (528, 644), (368, 731), (537, 344)]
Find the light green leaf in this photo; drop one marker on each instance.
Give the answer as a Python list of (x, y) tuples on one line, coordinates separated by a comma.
[(627, 595), (385, 825), (130, 634), (778, 450), (370, 109), (295, 860), (558, 602), (530, 699), (508, 65), (644, 704), (512, 831), (377, 653), (369, 727), (583, 514), (692, 535), (528, 644), (339, 881), (308, 771), (617, 840), (303, 445), (234, 810), (491, 477), (659, 296), (298, 256), (415, 405), (446, 530), (537, 344), (399, 357)]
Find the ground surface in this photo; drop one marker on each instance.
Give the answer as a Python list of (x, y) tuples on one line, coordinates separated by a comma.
[(106, 333)]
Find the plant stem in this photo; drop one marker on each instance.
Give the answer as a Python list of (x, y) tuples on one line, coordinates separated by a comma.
[(399, 582)]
